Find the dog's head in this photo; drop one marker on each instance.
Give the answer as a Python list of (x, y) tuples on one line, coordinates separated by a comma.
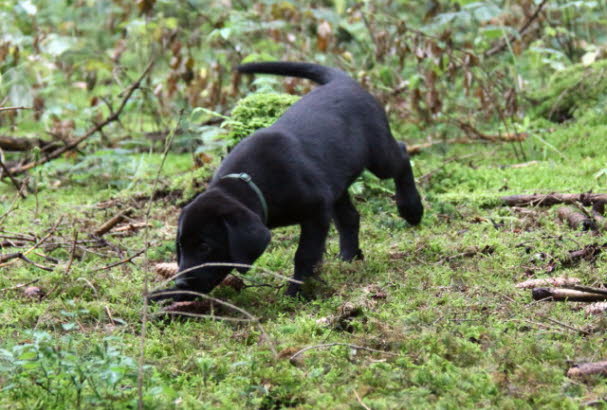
[(214, 228)]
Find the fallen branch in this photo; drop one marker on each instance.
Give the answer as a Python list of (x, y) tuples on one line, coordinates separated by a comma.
[(596, 308), (575, 219), (20, 285), (588, 369), (590, 289), (25, 144), (553, 199), (26, 259), (504, 43), (112, 222), (210, 299), (5, 260), (556, 282), (588, 253), (475, 134), (98, 127), (14, 108), (120, 262), (562, 295), (5, 171), (352, 346)]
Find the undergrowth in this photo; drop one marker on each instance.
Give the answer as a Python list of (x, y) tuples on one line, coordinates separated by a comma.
[(435, 303)]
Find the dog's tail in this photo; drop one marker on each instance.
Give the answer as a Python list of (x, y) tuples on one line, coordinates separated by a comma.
[(317, 73)]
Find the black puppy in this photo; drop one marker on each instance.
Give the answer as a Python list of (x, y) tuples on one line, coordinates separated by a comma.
[(295, 172)]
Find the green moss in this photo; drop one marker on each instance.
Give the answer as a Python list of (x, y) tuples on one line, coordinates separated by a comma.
[(192, 182), (575, 93), (257, 111)]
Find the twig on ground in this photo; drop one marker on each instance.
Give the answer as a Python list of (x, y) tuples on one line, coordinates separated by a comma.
[(359, 400), (112, 222), (98, 127), (72, 254), (588, 369), (574, 219), (170, 270), (5, 260), (120, 262), (596, 308), (562, 295), (232, 265), (6, 171), (566, 326), (26, 259), (249, 317), (14, 108), (20, 285), (552, 199), (598, 291), (352, 346), (109, 314), (555, 282)]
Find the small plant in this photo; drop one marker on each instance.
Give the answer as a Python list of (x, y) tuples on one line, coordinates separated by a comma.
[(59, 370), (256, 111)]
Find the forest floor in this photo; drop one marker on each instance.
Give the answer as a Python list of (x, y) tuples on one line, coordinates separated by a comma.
[(430, 318)]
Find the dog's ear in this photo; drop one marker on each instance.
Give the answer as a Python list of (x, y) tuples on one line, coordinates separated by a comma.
[(248, 237)]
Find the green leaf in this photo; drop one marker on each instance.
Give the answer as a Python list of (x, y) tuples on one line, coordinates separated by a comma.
[(56, 45)]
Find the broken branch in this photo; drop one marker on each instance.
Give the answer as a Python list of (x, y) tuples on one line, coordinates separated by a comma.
[(588, 369), (14, 108), (552, 199), (112, 222), (574, 219), (98, 127), (571, 295)]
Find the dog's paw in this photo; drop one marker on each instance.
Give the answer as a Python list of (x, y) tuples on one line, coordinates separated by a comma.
[(352, 256), (170, 294)]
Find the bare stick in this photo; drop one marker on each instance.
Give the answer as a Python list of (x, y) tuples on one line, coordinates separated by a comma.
[(556, 282), (562, 295), (113, 221), (598, 291), (502, 45), (21, 285), (26, 259), (120, 262), (233, 265), (249, 317), (14, 108), (359, 400), (568, 327), (6, 171), (109, 314), (6, 259), (588, 369), (552, 199), (324, 346), (98, 127), (574, 219), (598, 308), (72, 254)]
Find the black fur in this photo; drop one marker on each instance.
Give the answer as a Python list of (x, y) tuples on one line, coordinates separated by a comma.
[(303, 164)]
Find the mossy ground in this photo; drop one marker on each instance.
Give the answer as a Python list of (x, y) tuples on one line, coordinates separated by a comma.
[(438, 298)]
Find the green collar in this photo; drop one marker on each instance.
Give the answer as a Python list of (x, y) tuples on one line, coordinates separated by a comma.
[(247, 178)]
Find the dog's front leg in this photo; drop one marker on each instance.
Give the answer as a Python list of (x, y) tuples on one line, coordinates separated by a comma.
[(310, 250)]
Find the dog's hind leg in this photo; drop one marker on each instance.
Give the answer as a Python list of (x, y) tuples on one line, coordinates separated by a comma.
[(308, 256), (347, 222), (396, 165)]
